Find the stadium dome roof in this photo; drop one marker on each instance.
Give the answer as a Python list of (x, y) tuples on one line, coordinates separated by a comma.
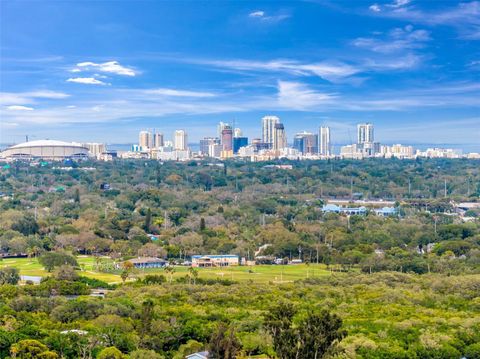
[(45, 143)]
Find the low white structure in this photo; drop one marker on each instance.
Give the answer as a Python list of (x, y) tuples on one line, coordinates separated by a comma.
[(46, 149), (216, 260)]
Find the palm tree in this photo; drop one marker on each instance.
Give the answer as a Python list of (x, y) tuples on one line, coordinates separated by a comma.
[(170, 269), (127, 269), (193, 273)]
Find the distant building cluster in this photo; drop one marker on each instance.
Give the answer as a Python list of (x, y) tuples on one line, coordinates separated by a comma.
[(229, 142)]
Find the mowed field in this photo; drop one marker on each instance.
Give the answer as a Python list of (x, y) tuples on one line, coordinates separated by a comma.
[(259, 273)]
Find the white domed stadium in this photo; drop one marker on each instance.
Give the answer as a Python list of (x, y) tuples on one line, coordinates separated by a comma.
[(46, 149)]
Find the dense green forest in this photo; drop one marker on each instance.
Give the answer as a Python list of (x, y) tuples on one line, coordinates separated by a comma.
[(403, 286)]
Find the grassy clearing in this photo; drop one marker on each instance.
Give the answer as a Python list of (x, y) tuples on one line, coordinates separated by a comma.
[(31, 267), (257, 274)]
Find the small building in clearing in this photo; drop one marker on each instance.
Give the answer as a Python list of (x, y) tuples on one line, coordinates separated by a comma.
[(333, 208), (386, 211), (148, 262), (216, 260), (199, 355)]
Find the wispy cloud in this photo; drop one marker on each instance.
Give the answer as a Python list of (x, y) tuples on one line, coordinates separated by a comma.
[(19, 108), (86, 81), (110, 67), (261, 15), (399, 63), (465, 17), (29, 97), (179, 93), (48, 94), (398, 4), (298, 96), (398, 39), (285, 95), (257, 13), (330, 71)]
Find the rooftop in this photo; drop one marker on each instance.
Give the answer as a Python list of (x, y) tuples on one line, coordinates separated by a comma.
[(146, 260), (44, 143)]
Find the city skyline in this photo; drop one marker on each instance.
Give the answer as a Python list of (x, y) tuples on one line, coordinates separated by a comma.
[(102, 71)]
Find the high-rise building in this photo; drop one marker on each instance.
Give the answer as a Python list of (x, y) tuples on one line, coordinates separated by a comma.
[(215, 150), (306, 143), (220, 127), (227, 138), (239, 142), (324, 148), (365, 133), (95, 149), (145, 140), (237, 133), (268, 129), (206, 142), (157, 140), (279, 137), (298, 142), (180, 140)]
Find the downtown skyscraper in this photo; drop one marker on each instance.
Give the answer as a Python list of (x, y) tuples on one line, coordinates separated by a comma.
[(324, 148), (145, 140), (226, 138), (279, 137), (180, 140), (268, 129), (365, 133)]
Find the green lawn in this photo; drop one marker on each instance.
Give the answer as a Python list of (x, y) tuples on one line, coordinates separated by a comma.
[(30, 266), (261, 273)]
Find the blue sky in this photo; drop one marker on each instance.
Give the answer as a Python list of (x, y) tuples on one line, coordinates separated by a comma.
[(104, 70)]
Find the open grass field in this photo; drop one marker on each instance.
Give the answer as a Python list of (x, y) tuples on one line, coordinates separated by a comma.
[(260, 273)]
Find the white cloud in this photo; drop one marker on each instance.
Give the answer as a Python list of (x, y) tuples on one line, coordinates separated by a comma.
[(401, 62), (86, 81), (19, 108), (111, 67), (127, 104), (398, 39), (465, 16), (298, 96), (262, 16), (398, 3), (178, 93), (25, 98), (329, 71), (9, 125), (47, 94), (257, 14)]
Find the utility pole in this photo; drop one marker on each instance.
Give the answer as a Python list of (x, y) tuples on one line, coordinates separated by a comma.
[(445, 188), (409, 187), (351, 187)]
